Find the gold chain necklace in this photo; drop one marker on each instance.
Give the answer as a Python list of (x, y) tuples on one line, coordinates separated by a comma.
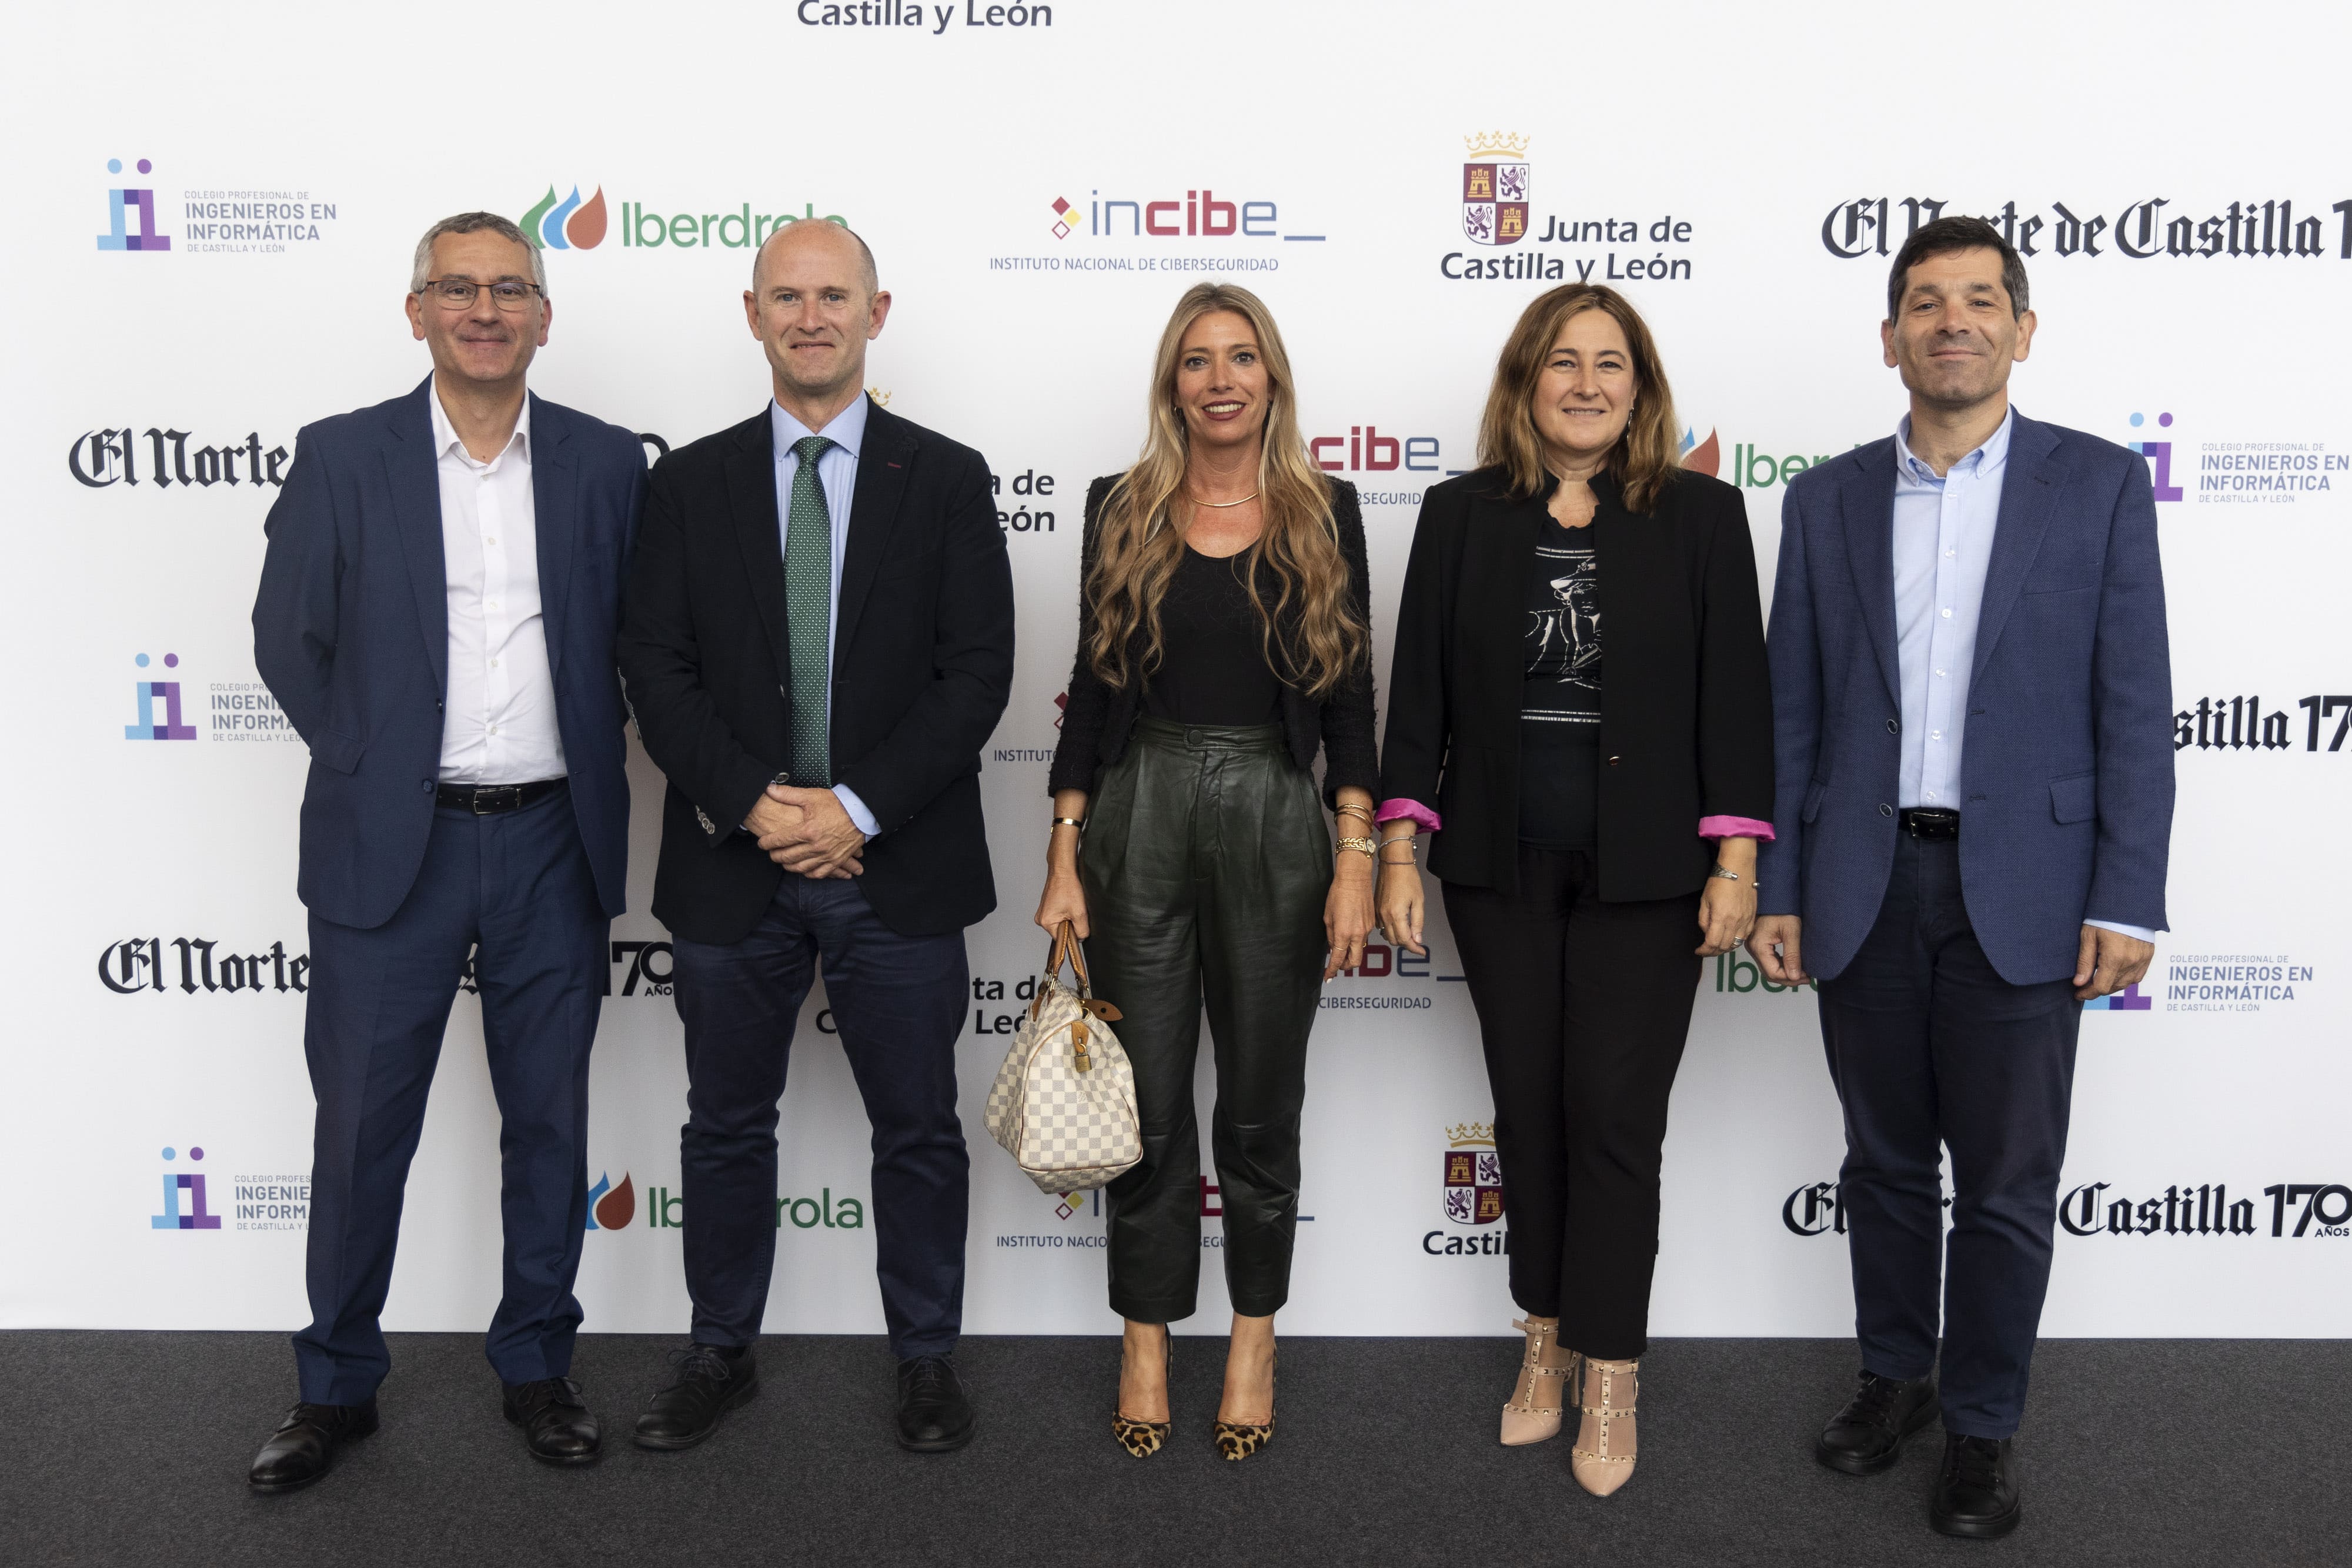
[(1253, 496)]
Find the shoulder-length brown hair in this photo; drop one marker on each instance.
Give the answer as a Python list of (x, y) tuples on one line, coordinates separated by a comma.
[(1139, 548), (1645, 458)]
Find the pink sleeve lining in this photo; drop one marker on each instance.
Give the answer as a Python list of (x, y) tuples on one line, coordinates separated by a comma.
[(1392, 810), (1733, 828)]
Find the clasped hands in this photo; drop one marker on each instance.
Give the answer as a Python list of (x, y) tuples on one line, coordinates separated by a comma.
[(808, 832)]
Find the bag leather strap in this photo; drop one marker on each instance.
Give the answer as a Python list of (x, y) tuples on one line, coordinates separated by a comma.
[(1067, 948)]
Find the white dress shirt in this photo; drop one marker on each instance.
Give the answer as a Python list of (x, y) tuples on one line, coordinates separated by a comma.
[(499, 723), (836, 474), (1943, 528)]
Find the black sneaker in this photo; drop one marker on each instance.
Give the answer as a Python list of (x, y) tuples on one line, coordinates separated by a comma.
[(712, 1381), (1975, 1494), (1868, 1434)]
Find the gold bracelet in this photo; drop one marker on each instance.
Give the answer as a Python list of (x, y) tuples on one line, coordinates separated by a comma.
[(1365, 847), (1352, 811)]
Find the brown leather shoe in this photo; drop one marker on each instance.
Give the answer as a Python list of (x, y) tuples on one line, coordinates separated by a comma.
[(303, 1448)]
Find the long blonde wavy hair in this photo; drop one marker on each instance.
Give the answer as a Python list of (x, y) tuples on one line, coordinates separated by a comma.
[(1139, 546), (1646, 457)]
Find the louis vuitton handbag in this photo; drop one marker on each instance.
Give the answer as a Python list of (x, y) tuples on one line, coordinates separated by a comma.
[(1064, 1102)]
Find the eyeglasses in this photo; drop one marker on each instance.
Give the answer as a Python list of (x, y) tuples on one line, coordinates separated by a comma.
[(456, 293)]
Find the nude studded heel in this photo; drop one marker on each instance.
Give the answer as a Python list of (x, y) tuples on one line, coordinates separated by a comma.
[(1609, 1389), (1533, 1416)]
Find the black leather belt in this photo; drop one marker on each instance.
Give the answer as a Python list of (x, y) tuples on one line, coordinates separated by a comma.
[(489, 799), (1932, 823)]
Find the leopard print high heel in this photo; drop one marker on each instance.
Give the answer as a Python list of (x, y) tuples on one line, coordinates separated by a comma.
[(1142, 1438), (1239, 1439), (1602, 1468)]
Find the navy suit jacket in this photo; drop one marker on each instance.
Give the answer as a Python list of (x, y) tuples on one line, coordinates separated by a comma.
[(2066, 759), (351, 632)]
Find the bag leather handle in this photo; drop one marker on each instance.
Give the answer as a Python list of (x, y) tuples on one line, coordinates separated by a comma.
[(1067, 948)]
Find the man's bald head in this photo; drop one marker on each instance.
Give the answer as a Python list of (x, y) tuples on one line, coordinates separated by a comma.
[(817, 231)]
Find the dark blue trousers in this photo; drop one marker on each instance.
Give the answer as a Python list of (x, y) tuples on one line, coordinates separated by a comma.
[(899, 1004), (1930, 1049), (518, 887)]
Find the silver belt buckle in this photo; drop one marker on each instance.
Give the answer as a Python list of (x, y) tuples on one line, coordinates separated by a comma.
[(513, 794)]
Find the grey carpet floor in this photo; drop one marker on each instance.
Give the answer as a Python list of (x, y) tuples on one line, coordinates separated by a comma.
[(129, 1448)]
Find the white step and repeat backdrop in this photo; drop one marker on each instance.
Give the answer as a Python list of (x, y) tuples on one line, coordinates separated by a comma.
[(219, 203)]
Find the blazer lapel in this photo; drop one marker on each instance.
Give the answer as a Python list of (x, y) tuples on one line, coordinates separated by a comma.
[(2027, 490), (411, 467), (555, 500), (1494, 571), (751, 470), (883, 465), (1866, 505)]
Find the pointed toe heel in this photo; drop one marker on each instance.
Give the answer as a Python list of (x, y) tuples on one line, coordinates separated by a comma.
[(1608, 1463), (1534, 1414)]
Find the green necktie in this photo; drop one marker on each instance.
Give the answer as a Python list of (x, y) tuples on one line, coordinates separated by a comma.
[(808, 615)]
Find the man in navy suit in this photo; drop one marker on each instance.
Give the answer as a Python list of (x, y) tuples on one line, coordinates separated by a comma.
[(1971, 694), (436, 617)]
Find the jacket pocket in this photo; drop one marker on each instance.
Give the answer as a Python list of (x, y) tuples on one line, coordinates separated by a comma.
[(339, 752), (2074, 798), (1814, 794)]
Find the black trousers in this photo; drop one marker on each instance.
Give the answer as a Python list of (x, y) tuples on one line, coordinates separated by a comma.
[(1931, 1048), (899, 1002), (1206, 864), (516, 889), (1583, 1008)]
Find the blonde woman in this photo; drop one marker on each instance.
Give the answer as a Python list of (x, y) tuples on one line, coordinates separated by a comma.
[(1223, 639), (1579, 715)]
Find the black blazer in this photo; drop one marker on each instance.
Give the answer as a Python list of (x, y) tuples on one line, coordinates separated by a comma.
[(1685, 696), (1097, 719), (923, 657)]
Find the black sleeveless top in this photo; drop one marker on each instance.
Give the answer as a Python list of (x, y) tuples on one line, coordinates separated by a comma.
[(1212, 668)]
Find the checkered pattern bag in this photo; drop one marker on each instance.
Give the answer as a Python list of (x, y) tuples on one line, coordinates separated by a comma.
[(1064, 1102)]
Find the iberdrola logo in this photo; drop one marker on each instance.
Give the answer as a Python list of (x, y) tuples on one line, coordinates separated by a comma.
[(569, 224)]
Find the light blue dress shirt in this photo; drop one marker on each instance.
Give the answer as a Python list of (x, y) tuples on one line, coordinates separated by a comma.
[(837, 472), (1944, 529)]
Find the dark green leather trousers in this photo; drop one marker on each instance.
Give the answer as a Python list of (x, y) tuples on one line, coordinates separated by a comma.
[(1205, 864)]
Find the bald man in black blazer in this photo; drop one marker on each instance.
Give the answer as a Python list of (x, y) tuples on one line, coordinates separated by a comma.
[(818, 642)]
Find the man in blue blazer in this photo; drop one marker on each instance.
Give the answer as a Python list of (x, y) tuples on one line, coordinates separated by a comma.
[(1971, 694), (436, 617)]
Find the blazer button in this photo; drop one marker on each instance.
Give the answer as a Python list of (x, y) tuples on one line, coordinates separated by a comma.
[(1893, 726), (1884, 809), (1615, 760), (426, 784)]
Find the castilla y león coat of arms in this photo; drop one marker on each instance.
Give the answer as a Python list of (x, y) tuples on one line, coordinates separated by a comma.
[(1473, 1175), (1495, 188)]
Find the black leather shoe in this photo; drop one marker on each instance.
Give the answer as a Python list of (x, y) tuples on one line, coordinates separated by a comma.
[(1868, 1434), (934, 1417), (712, 1381), (1975, 1494), (556, 1426), (303, 1448)]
